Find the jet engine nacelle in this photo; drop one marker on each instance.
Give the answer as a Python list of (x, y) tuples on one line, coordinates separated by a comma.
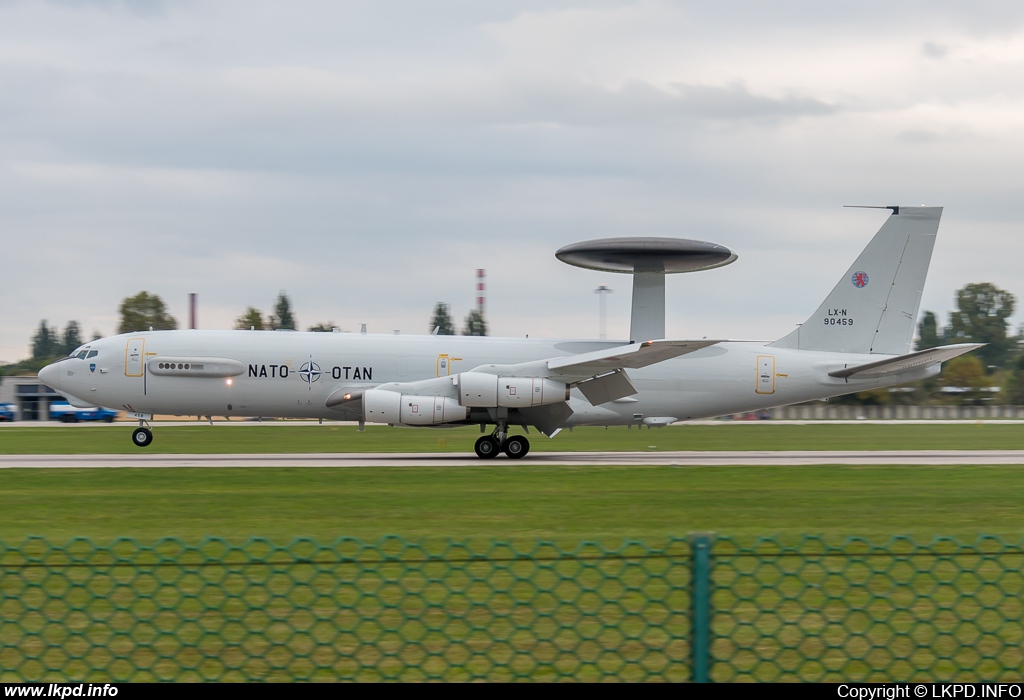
[(380, 406), (480, 390)]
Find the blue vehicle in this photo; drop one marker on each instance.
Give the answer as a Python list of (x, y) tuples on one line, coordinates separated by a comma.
[(66, 413), (7, 411)]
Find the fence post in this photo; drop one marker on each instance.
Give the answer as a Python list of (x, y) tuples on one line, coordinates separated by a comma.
[(700, 620)]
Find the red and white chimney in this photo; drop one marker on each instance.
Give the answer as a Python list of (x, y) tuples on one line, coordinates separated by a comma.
[(480, 292)]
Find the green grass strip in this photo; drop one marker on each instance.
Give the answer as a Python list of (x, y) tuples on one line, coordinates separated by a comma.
[(566, 504)]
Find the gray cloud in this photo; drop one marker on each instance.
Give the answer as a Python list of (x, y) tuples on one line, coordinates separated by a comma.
[(641, 105), (934, 50), (369, 157)]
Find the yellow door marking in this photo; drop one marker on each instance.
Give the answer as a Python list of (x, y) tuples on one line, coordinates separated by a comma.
[(765, 383), (444, 364), (134, 351)]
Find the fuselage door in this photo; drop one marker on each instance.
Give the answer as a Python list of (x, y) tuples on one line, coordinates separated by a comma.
[(133, 357), (444, 366), (765, 374)]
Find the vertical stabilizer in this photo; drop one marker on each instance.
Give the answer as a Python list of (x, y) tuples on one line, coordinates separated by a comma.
[(873, 308)]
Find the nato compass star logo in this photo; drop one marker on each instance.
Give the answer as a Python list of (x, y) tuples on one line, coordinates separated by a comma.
[(309, 372), (859, 279)]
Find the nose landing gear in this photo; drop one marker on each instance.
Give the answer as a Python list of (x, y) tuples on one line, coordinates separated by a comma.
[(142, 437)]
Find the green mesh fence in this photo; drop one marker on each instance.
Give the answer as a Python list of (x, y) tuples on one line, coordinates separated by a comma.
[(698, 608), (868, 612)]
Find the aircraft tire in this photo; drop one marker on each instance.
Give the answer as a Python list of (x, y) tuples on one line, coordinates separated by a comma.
[(516, 447), (487, 447), (142, 437)]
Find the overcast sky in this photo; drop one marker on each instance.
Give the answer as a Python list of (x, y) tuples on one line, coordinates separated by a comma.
[(367, 157)]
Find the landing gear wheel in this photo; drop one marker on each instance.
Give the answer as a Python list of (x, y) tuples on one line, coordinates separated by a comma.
[(516, 447), (487, 447), (142, 437)]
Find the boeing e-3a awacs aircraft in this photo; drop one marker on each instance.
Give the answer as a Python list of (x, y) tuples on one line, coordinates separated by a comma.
[(859, 338)]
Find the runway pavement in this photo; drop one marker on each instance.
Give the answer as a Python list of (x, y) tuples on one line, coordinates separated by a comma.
[(424, 459), (290, 422)]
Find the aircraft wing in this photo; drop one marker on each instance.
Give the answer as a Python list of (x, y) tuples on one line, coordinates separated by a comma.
[(632, 356), (600, 375), (903, 363)]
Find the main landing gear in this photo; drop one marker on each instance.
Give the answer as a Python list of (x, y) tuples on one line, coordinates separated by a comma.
[(488, 446)]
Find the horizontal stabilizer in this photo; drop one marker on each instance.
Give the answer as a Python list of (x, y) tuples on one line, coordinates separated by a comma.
[(903, 363), (632, 356)]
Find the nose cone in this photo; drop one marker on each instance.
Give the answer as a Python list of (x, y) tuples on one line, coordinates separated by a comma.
[(50, 376)]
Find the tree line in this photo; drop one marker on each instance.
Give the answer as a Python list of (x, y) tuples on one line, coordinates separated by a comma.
[(146, 311), (981, 315), (445, 325), (991, 374)]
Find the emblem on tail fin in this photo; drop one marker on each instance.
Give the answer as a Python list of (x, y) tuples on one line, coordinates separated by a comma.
[(886, 311)]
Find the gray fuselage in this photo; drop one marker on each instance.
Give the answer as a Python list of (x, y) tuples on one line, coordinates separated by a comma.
[(292, 374)]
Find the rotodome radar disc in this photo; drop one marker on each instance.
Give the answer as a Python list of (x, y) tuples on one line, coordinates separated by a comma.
[(630, 255)]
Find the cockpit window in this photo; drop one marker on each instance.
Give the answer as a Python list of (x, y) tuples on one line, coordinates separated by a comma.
[(81, 355), (92, 353)]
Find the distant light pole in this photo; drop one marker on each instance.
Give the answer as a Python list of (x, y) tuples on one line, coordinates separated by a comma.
[(601, 293)]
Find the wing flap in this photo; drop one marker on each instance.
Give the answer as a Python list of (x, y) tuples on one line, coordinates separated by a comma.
[(902, 363), (608, 387)]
